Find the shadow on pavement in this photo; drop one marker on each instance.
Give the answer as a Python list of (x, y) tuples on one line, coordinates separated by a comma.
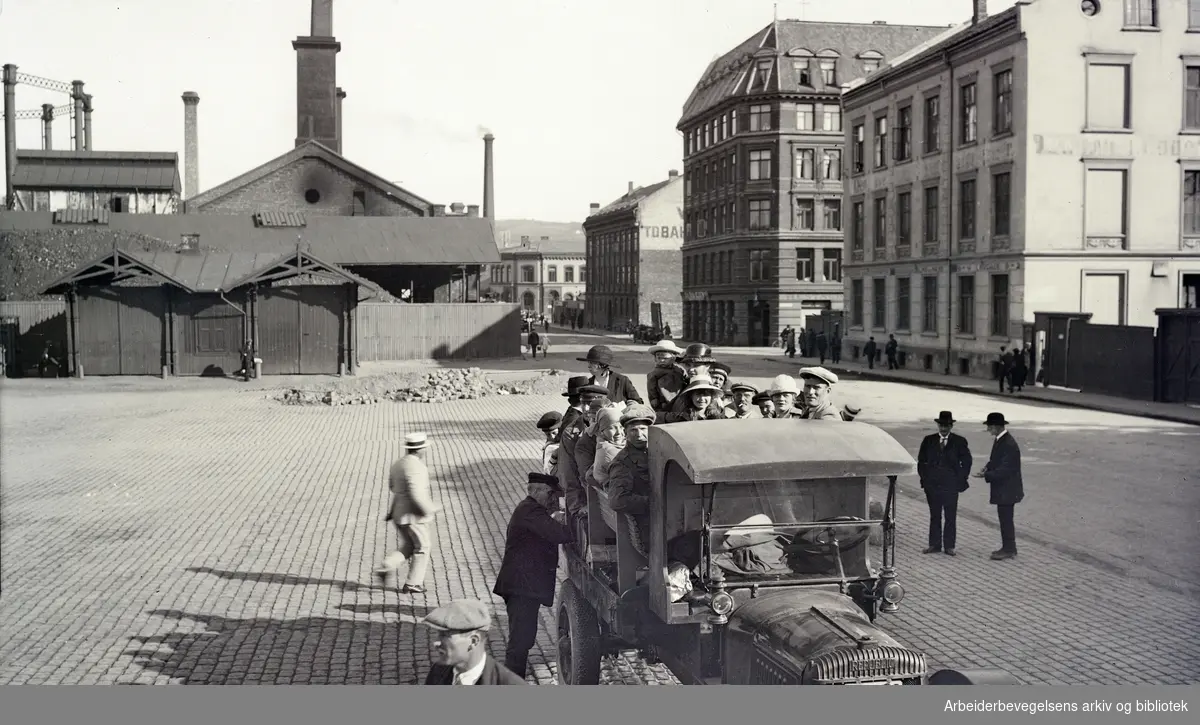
[(284, 579)]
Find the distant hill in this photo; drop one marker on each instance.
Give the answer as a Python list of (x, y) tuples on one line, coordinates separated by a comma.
[(511, 230)]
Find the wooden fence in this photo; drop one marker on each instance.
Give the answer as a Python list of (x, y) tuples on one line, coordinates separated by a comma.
[(438, 331), (26, 328)]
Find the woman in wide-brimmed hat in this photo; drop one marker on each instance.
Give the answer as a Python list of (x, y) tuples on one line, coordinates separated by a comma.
[(600, 364), (697, 402), (664, 382)]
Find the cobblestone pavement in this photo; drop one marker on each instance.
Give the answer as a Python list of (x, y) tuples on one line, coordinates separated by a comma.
[(198, 534)]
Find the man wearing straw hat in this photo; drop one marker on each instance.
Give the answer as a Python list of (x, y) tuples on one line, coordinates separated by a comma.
[(412, 512), (460, 647), (817, 383), (600, 364), (664, 382)]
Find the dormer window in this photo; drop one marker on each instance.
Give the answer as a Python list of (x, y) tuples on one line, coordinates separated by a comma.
[(803, 72), (762, 73), (870, 66), (871, 60), (829, 71)]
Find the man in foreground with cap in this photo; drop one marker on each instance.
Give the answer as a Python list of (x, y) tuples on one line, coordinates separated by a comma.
[(529, 572), (743, 396), (944, 465), (629, 476), (620, 389), (666, 379), (549, 424), (817, 384), (1003, 474), (460, 647), (412, 512)]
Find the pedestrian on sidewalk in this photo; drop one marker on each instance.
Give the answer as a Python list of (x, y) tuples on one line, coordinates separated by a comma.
[(460, 652), (545, 324), (892, 350), (835, 349), (529, 571), (944, 465), (822, 346), (791, 342), (1020, 371), (535, 341), (869, 351), (412, 512), (1003, 474), (1004, 367)]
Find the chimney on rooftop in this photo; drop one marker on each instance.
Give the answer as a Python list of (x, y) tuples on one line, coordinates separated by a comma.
[(48, 126), (489, 189), (191, 145), (979, 11), (456, 208), (87, 122), (672, 173), (593, 208), (316, 80), (10, 132), (630, 188), (77, 95), (473, 211), (439, 210)]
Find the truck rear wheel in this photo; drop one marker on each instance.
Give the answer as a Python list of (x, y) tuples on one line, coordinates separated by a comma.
[(578, 639)]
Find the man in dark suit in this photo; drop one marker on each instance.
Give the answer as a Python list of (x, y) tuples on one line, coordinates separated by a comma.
[(460, 652), (600, 364), (944, 465), (1003, 474), (574, 404), (529, 571)]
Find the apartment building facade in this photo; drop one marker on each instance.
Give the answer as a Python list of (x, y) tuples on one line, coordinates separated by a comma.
[(983, 190), (539, 274)]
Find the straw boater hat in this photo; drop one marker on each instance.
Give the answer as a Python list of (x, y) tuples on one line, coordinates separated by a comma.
[(700, 382), (416, 441), (783, 384), (666, 346), (819, 374)]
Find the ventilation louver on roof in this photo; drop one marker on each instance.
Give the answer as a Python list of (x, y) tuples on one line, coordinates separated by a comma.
[(278, 219), (81, 216)]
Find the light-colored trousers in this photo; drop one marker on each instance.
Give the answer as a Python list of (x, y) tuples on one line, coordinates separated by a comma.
[(413, 544)]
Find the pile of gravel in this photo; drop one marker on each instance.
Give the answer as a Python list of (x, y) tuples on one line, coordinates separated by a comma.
[(439, 386)]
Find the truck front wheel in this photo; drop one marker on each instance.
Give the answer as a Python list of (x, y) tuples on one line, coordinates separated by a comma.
[(578, 639)]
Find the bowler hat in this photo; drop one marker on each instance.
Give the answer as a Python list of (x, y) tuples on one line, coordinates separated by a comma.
[(575, 383), (550, 420), (944, 418), (995, 419), (463, 615), (698, 353), (593, 390), (415, 441), (601, 354), (551, 481)]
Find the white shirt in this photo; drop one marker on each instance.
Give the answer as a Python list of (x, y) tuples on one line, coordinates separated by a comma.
[(1002, 434), (603, 381), (471, 676)]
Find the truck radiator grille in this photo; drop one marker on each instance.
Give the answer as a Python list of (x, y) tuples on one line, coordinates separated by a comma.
[(873, 663)]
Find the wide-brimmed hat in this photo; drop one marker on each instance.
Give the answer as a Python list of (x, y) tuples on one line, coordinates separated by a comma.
[(995, 419), (700, 382), (416, 441), (638, 413), (944, 418), (783, 384), (593, 389), (550, 421), (747, 387), (601, 354), (698, 352), (763, 531), (820, 374), (666, 346), (551, 481), (575, 383)]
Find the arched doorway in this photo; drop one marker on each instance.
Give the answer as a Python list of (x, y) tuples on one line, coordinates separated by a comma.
[(554, 297), (527, 300)]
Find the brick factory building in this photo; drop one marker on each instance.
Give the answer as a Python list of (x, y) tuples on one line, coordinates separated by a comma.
[(762, 176), (633, 257)]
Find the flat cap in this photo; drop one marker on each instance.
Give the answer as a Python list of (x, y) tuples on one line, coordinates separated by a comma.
[(462, 615), (551, 481), (550, 420), (736, 387), (638, 413), (819, 373), (593, 390)]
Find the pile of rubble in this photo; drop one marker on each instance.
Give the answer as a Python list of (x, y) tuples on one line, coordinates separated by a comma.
[(439, 386)]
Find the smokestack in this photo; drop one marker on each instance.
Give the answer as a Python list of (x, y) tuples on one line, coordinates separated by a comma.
[(979, 11), (341, 96), (489, 200), (630, 189), (48, 126), (77, 95), (322, 19), (87, 121), (316, 80), (10, 133), (191, 145)]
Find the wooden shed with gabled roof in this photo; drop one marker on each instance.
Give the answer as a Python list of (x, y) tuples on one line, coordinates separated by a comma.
[(189, 313)]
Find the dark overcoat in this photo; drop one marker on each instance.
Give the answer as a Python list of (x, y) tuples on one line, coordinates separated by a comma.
[(620, 388), (1003, 472), (944, 469), (530, 566)]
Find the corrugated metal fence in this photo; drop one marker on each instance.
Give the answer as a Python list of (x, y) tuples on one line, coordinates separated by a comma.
[(438, 331)]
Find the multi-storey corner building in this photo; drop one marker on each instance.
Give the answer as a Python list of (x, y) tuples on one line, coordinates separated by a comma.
[(763, 176), (1042, 160), (633, 251)]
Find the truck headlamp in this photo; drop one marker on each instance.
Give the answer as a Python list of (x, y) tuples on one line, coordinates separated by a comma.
[(721, 604), (892, 593)]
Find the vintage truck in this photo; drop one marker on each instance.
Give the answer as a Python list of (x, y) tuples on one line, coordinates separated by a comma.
[(757, 566)]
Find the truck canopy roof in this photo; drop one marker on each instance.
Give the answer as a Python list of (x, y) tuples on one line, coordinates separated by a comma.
[(738, 451)]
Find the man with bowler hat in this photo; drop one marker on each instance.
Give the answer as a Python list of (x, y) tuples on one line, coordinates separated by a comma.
[(460, 647), (600, 364), (1003, 474), (529, 572), (944, 465), (412, 512)]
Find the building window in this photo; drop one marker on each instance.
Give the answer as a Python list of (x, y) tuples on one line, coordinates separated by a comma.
[(904, 134), (805, 263), (760, 270), (903, 303), (733, 122), (831, 163), (856, 302), (1143, 13), (933, 106), (931, 214), (569, 275), (1002, 103), (760, 165), (832, 216), (968, 119), (1108, 92), (760, 214), (881, 133), (730, 219), (828, 72), (929, 304), (805, 214), (1191, 93), (1000, 305), (804, 164), (857, 147), (527, 274), (831, 117), (870, 66), (1103, 295), (760, 118), (803, 72), (966, 209), (762, 73), (1105, 207), (966, 304), (1193, 14), (856, 225), (1001, 204), (1190, 291), (880, 222), (831, 263), (804, 117), (879, 303), (1191, 203), (904, 218), (552, 273)]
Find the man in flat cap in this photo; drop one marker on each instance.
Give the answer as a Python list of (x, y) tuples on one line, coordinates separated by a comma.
[(817, 384), (766, 408), (743, 395), (412, 511), (529, 572), (629, 475), (549, 424), (460, 647)]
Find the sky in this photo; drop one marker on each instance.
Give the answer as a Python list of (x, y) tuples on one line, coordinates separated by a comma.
[(583, 97)]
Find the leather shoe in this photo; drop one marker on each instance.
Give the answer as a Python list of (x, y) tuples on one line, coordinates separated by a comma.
[(933, 550), (1001, 555), (950, 552), (413, 589)]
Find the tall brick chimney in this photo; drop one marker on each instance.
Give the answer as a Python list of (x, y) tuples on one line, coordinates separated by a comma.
[(10, 132), (48, 126), (77, 95), (489, 193), (87, 122), (341, 96), (191, 145), (316, 79), (978, 11)]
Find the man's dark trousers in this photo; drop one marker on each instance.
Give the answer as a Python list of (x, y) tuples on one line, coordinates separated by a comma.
[(943, 505), (522, 631), (1008, 529)]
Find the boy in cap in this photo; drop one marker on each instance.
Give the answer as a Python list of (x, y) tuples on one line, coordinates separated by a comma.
[(529, 571), (460, 647), (629, 476), (664, 382), (549, 424), (719, 372), (412, 512), (817, 382)]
